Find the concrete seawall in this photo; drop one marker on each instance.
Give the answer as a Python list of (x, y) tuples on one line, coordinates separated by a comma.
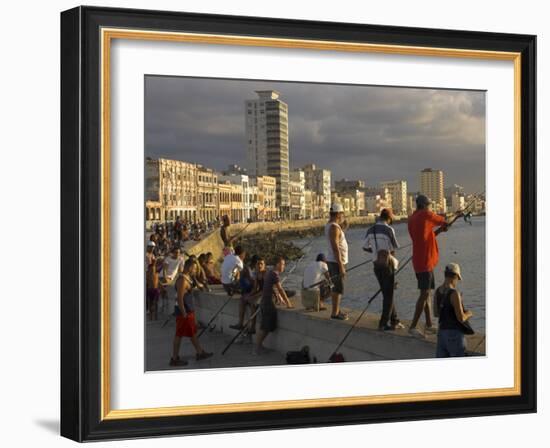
[(298, 327), (213, 242)]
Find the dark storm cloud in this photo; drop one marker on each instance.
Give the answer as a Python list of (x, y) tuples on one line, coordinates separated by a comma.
[(358, 132)]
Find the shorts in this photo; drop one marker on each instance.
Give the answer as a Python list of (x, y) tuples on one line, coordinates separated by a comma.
[(152, 297), (269, 318), (186, 326), (337, 282), (426, 280), (250, 299)]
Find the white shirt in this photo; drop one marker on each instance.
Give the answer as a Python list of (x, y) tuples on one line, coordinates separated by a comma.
[(173, 266), (231, 264), (341, 243), (315, 273)]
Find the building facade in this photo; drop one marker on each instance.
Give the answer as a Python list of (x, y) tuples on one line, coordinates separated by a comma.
[(240, 196), (411, 203), (224, 198), (374, 203), (318, 181), (354, 190), (207, 194), (267, 142), (397, 189), (297, 188), (457, 202), (452, 189), (432, 185), (267, 198), (172, 183)]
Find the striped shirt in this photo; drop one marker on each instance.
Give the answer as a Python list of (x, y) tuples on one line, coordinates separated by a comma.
[(380, 236)]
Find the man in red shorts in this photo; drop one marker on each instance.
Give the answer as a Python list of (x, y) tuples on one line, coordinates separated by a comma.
[(186, 324), (425, 258)]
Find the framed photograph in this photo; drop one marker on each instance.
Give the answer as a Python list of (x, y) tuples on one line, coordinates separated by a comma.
[(274, 223)]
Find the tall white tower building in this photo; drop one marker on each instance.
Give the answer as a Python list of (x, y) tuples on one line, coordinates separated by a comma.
[(432, 185), (267, 142)]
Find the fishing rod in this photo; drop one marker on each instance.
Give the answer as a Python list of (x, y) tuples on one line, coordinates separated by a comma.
[(230, 298), (351, 269), (437, 232), (364, 311), (245, 326)]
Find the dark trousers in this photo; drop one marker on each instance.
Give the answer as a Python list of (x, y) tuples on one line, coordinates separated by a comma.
[(386, 279)]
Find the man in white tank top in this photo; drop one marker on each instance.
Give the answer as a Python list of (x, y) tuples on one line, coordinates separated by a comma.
[(337, 257)]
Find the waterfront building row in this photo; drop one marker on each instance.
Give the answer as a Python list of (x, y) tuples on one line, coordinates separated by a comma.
[(195, 193)]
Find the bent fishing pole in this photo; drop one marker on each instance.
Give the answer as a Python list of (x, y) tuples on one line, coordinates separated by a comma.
[(253, 315), (437, 232), (364, 311), (231, 297), (352, 268)]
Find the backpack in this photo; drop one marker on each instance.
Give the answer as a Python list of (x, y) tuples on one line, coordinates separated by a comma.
[(299, 357)]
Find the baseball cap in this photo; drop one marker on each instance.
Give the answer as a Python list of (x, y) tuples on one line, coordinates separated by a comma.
[(336, 208), (453, 268), (422, 200)]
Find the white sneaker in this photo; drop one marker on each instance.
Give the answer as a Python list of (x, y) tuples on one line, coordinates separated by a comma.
[(416, 333), (398, 326), (430, 330)]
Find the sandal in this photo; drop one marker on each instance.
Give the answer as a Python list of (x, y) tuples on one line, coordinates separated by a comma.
[(340, 316)]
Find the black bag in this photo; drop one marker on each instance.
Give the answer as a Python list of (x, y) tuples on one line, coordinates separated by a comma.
[(382, 256), (299, 357)]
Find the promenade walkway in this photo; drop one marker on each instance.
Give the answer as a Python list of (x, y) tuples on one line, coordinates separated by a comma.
[(297, 328)]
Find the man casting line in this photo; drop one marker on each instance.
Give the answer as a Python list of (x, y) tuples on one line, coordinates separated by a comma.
[(425, 258)]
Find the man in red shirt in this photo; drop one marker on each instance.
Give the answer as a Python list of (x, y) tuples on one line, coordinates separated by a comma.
[(425, 257)]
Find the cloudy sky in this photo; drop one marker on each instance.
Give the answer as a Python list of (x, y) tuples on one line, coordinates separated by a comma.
[(358, 132)]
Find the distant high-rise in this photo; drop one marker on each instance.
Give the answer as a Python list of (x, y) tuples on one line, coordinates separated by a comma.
[(267, 142), (451, 190), (398, 192), (432, 185), (318, 181)]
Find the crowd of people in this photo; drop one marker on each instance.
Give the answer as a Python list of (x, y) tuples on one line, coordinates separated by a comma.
[(170, 278)]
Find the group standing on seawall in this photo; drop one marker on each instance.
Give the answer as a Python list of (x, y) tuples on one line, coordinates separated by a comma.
[(171, 278)]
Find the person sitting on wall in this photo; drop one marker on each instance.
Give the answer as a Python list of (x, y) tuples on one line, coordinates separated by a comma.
[(316, 282), (210, 270), (231, 268), (224, 234)]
